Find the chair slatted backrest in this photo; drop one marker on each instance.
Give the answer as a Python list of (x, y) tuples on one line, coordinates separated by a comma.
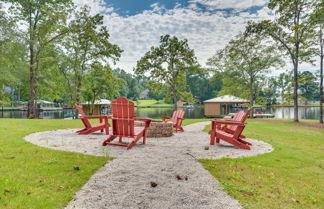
[(241, 116), (177, 114), (238, 131), (123, 117), (83, 114)]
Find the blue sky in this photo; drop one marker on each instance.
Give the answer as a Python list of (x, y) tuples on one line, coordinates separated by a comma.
[(133, 7), (208, 25)]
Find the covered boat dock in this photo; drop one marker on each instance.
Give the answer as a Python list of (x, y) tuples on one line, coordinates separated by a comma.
[(213, 107)]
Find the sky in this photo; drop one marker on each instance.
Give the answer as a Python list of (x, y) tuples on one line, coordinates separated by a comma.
[(136, 25), (208, 25)]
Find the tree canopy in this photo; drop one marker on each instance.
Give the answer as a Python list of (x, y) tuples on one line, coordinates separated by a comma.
[(245, 60), (56, 51), (167, 65), (293, 29)]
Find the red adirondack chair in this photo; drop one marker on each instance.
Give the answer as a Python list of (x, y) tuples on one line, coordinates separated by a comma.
[(103, 122), (241, 116), (177, 118), (123, 118), (230, 130)]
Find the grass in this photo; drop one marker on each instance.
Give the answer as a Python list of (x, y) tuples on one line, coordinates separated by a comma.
[(152, 102), (35, 177), (11, 108), (290, 177), (191, 121)]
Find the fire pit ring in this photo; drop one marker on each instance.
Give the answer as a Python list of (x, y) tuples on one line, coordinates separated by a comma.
[(157, 128)]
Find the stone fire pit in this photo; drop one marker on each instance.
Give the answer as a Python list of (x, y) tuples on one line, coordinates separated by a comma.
[(157, 128)]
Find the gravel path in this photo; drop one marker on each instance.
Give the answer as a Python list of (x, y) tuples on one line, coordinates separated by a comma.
[(125, 182)]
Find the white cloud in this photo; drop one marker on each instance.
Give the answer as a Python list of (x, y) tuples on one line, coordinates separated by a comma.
[(4, 6), (97, 6), (206, 31), (230, 4)]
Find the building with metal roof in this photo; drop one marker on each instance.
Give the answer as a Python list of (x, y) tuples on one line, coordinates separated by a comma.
[(213, 107)]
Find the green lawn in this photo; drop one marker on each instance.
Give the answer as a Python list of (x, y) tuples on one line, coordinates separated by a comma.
[(292, 176), (152, 102), (35, 177), (190, 121)]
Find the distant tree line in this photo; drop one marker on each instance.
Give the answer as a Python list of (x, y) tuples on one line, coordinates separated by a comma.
[(63, 54)]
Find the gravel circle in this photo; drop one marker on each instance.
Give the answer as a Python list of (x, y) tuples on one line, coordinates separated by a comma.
[(164, 173)]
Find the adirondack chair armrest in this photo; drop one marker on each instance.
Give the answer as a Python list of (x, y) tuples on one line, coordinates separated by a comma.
[(213, 125), (95, 116), (104, 117), (164, 118), (146, 120), (213, 122), (228, 122)]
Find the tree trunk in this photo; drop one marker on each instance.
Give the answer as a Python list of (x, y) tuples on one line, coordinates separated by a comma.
[(296, 58), (251, 96), (92, 108), (32, 100), (93, 104), (78, 92), (175, 100), (321, 76), (282, 97), (296, 91), (78, 89)]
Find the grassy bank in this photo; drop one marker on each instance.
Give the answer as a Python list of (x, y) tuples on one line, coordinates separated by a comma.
[(152, 102), (290, 177), (10, 108), (35, 177)]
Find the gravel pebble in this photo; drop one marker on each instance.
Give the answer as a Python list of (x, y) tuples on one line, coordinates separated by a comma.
[(125, 182)]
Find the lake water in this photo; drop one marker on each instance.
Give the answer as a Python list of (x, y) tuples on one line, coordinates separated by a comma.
[(196, 112)]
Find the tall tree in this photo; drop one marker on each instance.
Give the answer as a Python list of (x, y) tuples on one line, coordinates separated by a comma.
[(154, 92), (87, 43), (201, 84), (45, 22), (269, 90), (167, 65), (318, 19), (62, 63), (135, 91), (124, 88), (246, 59), (293, 30), (282, 83), (100, 83), (53, 89), (308, 86), (129, 88), (12, 57), (321, 39)]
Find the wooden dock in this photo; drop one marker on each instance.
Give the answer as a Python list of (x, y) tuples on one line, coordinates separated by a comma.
[(263, 115)]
